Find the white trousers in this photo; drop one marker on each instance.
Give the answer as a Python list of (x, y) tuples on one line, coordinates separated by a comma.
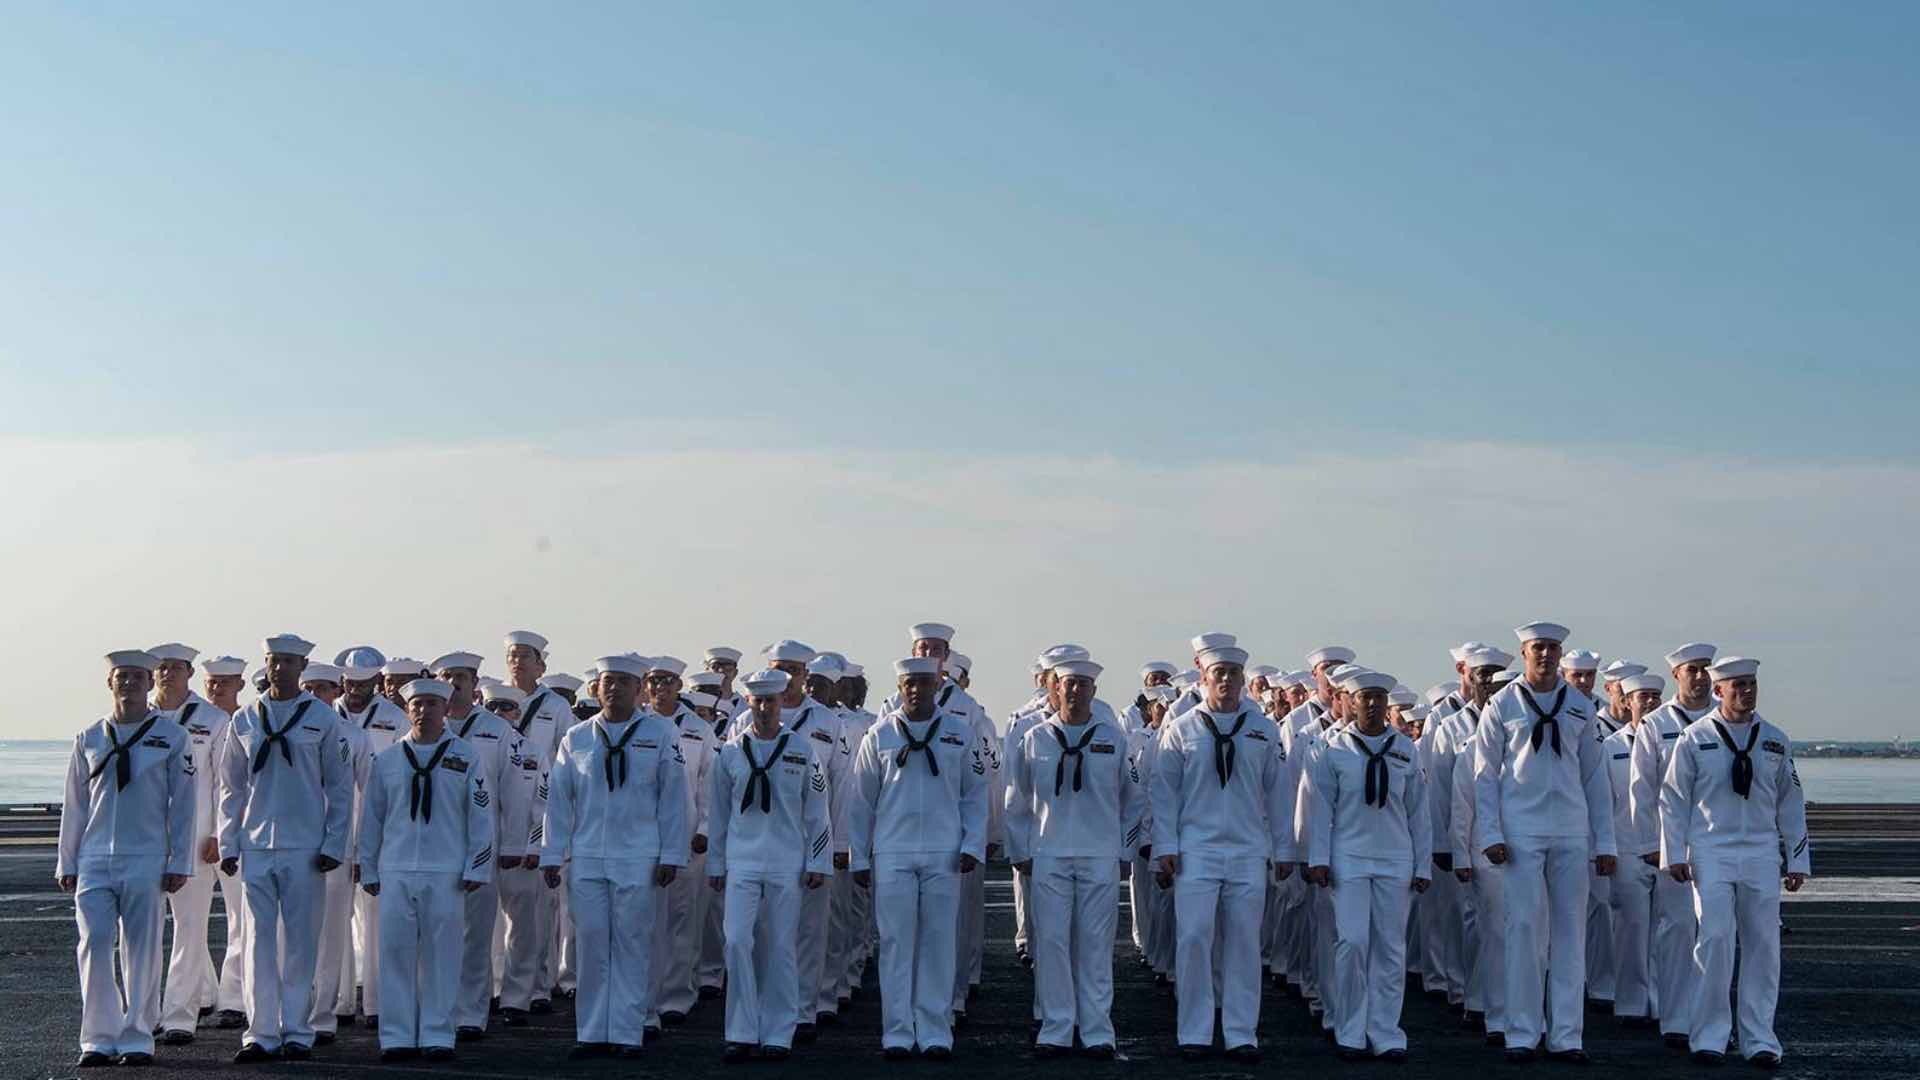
[(1139, 888), (1462, 932), (841, 934), (1676, 928), (475, 991), (422, 932), (1487, 978), (1369, 960), (711, 970), (613, 936), (1021, 935), (191, 983), (1736, 898), (1600, 973), (916, 902), (526, 907), (234, 991), (366, 949), (560, 972), (1320, 926), (286, 900), (1076, 901), (1162, 935), (333, 967), (971, 938), (1557, 871), (676, 923), (816, 914), (761, 922), (865, 939), (118, 908), (1631, 898), (1218, 894)]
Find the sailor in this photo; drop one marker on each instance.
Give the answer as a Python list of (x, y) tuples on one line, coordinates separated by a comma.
[(1476, 956), (1446, 909), (1151, 905), (1308, 942), (917, 823), (333, 972), (426, 836), (1073, 823), (1676, 926), (771, 839), (1730, 806), (565, 685), (126, 839), (380, 723), (286, 800), (510, 775), (221, 680), (1022, 720), (395, 674), (1221, 810), (823, 688), (1285, 917), (724, 661), (1615, 705), (680, 908), (855, 721), (1581, 670), (1193, 693), (1369, 841), (1544, 811), (527, 907), (1632, 896), (192, 989)]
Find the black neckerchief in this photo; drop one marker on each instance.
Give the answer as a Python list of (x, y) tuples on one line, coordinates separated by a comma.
[(758, 778), (1742, 759), (186, 712), (1685, 720), (467, 724), (1223, 747), (421, 789), (806, 714), (272, 736), (526, 714), (1378, 778), (1074, 752), (616, 751), (924, 745), (1544, 720), (121, 753)]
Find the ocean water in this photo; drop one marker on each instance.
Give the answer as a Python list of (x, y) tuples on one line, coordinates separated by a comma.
[(33, 771)]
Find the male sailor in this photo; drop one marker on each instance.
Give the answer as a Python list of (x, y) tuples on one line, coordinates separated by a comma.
[(917, 824), (395, 674), (1581, 669), (771, 839), (1368, 841), (127, 822), (855, 721), (222, 678), (724, 661), (527, 907), (191, 987), (823, 687), (1073, 821), (426, 837), (286, 801), (1676, 925), (1194, 692), (616, 819), (1306, 937), (380, 723), (1221, 810), (333, 971), (1730, 807), (680, 909), (1477, 955), (1025, 717), (1632, 896), (1152, 906), (1544, 811)]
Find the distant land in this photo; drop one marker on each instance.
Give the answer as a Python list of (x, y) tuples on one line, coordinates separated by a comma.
[(1829, 748)]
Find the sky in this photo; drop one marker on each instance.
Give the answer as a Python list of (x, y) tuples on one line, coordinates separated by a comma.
[(665, 326)]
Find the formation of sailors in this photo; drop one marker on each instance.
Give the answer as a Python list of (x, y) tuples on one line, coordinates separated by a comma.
[(437, 848)]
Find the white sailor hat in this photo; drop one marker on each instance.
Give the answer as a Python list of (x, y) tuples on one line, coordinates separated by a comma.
[(1341, 671), (485, 681), (1061, 653), (723, 652), (132, 658), (1459, 652), (1339, 654), (527, 637), (916, 665), (789, 649), (1691, 652), (1164, 693), (1036, 668), (1366, 679), (1187, 678), (1224, 654), (767, 682), (1439, 690), (173, 650), (672, 665), (1581, 660), (365, 656), (705, 678), (427, 688), (1085, 669), (1263, 671), (592, 673), (221, 666), (826, 666), (960, 660), (1541, 631), (1622, 669), (1646, 680), (504, 692), (1297, 678), (321, 673), (358, 674), (563, 681), (403, 665), (1487, 656), (455, 661), (930, 631), (1502, 678), (1733, 667), (1417, 712), (1215, 639), (622, 664), (702, 700), (1158, 667), (851, 670), (287, 645), (1403, 696)]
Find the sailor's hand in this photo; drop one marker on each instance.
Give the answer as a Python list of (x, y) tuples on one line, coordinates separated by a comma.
[(1680, 872), (371, 888), (863, 878), (1605, 865), (1024, 866), (1126, 869), (530, 861), (1794, 881), (172, 882), (1282, 871), (325, 863), (1651, 858), (842, 860), (698, 843), (968, 864), (1463, 875), (68, 882), (993, 852), (470, 886), (1497, 854), (1320, 875), (209, 850), (717, 884), (1169, 867), (1420, 884), (552, 874), (230, 865), (663, 875), (813, 881), (1443, 859), (509, 862)]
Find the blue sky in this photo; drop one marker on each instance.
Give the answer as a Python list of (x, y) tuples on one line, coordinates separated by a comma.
[(1607, 312)]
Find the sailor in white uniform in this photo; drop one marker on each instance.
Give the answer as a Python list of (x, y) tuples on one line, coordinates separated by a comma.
[(333, 971), (426, 837), (1368, 840), (221, 681), (1581, 670), (1447, 905), (126, 839), (823, 687), (1633, 881), (681, 909), (1544, 811), (1486, 939), (527, 906), (855, 721), (395, 674), (617, 808), (771, 839), (380, 723), (1018, 723), (917, 824), (1152, 906), (192, 989), (1675, 924), (286, 801), (1193, 694), (1730, 807), (1222, 811), (724, 661), (1309, 942)]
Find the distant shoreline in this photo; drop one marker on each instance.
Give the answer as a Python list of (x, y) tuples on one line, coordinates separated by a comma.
[(1853, 753)]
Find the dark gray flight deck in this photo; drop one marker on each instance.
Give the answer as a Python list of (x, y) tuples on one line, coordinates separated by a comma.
[(1850, 1003)]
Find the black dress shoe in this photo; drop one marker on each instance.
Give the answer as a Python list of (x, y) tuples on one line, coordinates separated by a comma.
[(469, 1034), (1348, 1053), (93, 1059), (1247, 1054), (322, 1038), (1600, 1005), (137, 1059), (438, 1053), (399, 1053), (1395, 1056), (938, 1053), (540, 1007), (896, 1053), (1765, 1059), (1194, 1053), (844, 1002), (493, 1004), (344, 1021), (775, 1053), (1569, 1057), (296, 1051), (1708, 1057), (959, 1019), (1100, 1052), (673, 1018), (1497, 1039), (828, 1019), (805, 1033), (1049, 1051), (252, 1054), (1676, 1040), (230, 1018), (1519, 1055), (564, 994), (1474, 1019), (587, 1050), (1636, 1022), (628, 1050), (513, 1017), (652, 1031), (373, 1021), (176, 1037), (708, 993), (736, 1053)]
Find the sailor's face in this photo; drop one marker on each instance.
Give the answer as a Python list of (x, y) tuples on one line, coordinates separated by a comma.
[(504, 709), (359, 693), (618, 690), (130, 685), (525, 661), (1582, 679), (1543, 658), (933, 649), (1643, 702), (765, 709), (1739, 695), (426, 711), (1320, 680), (663, 691), (917, 691), (1617, 698), (723, 668), (172, 676), (1225, 682), (1297, 695), (391, 685), (463, 680), (1158, 678), (327, 692), (821, 689), (223, 687), (1369, 707), (1076, 693), (1690, 680), (283, 672)]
